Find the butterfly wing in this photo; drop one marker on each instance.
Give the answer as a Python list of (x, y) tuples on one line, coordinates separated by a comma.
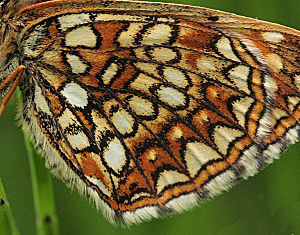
[(150, 113)]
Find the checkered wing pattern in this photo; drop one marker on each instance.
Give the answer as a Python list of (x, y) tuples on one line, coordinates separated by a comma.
[(146, 112)]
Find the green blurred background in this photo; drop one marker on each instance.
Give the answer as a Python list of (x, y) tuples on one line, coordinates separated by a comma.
[(268, 203)]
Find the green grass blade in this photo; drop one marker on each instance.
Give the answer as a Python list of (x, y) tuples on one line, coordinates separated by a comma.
[(7, 224), (46, 218)]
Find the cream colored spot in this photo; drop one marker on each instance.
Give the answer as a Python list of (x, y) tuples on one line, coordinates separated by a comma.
[(82, 36), (118, 17), (78, 141), (141, 106), (251, 47), (197, 154), (274, 61), (123, 121), (278, 114), (270, 85), (69, 21), (239, 76), (297, 81), (114, 155), (176, 133), (143, 83), (55, 79), (109, 73), (99, 184), (171, 96), (225, 48), (240, 108), (163, 54), (67, 119), (206, 64), (223, 136), (115, 180), (175, 76), (76, 64), (201, 117), (127, 38), (75, 95), (152, 155), (40, 101), (293, 102), (149, 68), (168, 178), (101, 125), (136, 196), (157, 35), (273, 36)]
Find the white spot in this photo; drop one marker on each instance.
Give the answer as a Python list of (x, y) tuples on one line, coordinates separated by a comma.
[(78, 141), (224, 47), (167, 178), (197, 154), (175, 76), (274, 61), (76, 64), (69, 21), (273, 36), (123, 121), (141, 106), (157, 35), (223, 136), (240, 108), (75, 95), (82, 36), (239, 76), (109, 73), (40, 101), (171, 96), (114, 155), (163, 54)]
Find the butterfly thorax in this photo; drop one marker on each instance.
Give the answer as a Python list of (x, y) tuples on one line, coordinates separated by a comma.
[(8, 50)]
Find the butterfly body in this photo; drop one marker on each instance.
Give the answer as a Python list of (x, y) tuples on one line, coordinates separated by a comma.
[(147, 107)]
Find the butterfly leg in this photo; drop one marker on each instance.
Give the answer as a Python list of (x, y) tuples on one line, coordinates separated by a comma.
[(15, 76)]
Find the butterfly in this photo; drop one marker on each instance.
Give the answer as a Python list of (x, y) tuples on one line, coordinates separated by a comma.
[(150, 108)]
